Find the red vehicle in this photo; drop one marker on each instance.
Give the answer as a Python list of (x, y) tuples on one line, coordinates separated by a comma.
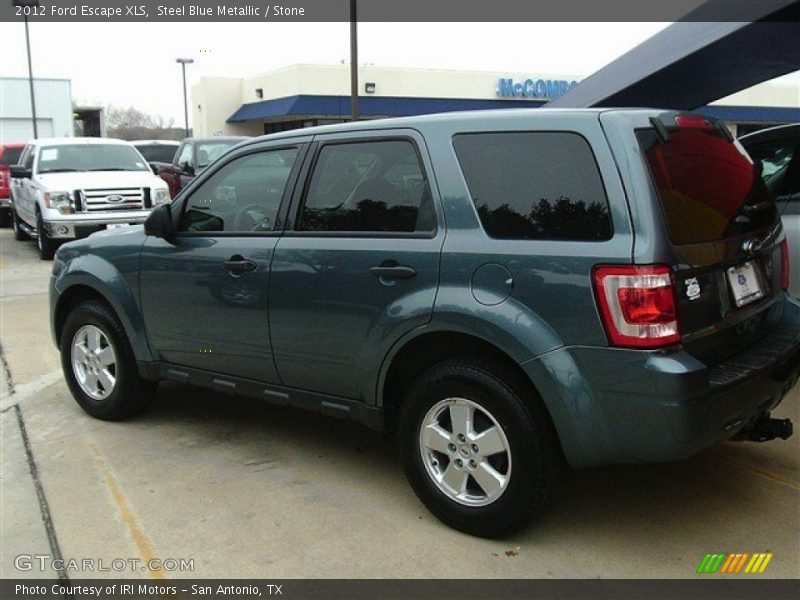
[(193, 155), (9, 155)]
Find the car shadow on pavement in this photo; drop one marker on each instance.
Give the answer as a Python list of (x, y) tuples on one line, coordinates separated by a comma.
[(706, 492)]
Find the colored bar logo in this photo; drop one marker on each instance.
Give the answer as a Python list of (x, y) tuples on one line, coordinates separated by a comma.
[(735, 563)]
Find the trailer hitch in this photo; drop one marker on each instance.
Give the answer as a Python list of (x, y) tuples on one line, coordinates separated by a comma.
[(766, 428)]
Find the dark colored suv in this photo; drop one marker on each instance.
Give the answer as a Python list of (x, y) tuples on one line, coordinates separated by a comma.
[(508, 290)]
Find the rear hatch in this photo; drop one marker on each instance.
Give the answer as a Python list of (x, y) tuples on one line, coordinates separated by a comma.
[(725, 240)]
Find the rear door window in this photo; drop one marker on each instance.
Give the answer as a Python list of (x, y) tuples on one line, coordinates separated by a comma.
[(368, 187), (535, 185), (709, 188), (10, 156), (157, 152)]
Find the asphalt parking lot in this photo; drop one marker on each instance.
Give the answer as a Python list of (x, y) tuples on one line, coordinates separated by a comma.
[(250, 490)]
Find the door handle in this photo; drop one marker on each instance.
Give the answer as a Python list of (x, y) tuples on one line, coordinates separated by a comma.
[(390, 269), (237, 264)]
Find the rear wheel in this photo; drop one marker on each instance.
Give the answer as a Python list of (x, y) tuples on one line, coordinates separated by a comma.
[(99, 364), (19, 234), (47, 246), (479, 452)]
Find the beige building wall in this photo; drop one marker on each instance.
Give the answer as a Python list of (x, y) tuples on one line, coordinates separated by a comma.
[(215, 99), (765, 94)]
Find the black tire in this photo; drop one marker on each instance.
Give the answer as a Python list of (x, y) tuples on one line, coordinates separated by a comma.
[(131, 393), (535, 456), (19, 234), (47, 246), (5, 217)]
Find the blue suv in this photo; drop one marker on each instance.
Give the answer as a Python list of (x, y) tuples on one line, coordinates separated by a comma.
[(509, 291)]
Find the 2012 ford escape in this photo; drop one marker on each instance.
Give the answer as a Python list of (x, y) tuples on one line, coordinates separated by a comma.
[(506, 290)]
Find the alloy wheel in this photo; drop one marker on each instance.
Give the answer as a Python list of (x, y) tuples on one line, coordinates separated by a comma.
[(465, 452), (94, 362)]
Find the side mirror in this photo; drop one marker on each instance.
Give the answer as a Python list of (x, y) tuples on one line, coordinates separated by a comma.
[(187, 169), (20, 172), (153, 168), (159, 222)]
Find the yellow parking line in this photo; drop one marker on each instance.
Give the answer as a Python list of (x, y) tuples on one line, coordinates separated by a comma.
[(763, 472), (139, 538)]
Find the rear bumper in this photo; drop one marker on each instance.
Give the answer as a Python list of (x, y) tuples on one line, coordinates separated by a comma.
[(623, 406)]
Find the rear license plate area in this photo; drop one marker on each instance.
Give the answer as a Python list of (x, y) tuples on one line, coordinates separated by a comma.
[(745, 284)]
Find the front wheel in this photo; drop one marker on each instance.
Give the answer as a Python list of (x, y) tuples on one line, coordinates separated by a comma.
[(19, 234), (477, 449), (47, 246), (99, 364)]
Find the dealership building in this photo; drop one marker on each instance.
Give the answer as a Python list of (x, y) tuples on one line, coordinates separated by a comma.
[(304, 95)]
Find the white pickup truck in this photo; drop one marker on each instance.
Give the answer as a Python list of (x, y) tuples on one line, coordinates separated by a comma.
[(68, 188)]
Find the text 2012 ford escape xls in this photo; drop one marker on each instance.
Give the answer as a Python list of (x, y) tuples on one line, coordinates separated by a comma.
[(507, 290)]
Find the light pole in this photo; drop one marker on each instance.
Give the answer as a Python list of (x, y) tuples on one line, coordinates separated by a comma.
[(28, 4), (353, 61), (184, 62)]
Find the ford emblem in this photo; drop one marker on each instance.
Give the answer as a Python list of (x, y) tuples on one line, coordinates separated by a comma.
[(116, 198)]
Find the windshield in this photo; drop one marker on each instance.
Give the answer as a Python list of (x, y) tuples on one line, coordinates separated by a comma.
[(157, 152), (10, 156), (708, 186), (208, 152), (89, 157)]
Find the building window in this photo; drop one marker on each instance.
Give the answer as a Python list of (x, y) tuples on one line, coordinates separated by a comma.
[(370, 87), (259, 93)]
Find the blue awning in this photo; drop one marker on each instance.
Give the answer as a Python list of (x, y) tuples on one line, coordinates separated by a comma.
[(369, 106)]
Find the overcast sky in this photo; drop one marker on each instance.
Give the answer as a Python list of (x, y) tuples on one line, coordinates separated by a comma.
[(133, 64)]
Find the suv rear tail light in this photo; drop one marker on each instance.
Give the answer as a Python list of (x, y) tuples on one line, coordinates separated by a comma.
[(637, 305), (785, 264)]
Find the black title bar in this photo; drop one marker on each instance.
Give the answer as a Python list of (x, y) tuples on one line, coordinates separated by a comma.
[(399, 10)]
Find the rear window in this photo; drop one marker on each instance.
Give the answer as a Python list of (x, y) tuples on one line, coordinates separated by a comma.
[(11, 156), (708, 187), (535, 185), (157, 152)]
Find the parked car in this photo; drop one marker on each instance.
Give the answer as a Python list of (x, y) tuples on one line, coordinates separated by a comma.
[(68, 188), (193, 155), (159, 151), (778, 150), (504, 289), (9, 155)]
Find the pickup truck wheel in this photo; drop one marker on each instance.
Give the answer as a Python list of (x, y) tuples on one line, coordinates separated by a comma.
[(99, 364), (47, 247), (480, 457), (19, 234)]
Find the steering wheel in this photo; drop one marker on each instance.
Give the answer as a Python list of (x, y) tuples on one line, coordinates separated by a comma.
[(246, 220)]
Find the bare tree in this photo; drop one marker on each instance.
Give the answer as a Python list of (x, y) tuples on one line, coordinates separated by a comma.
[(132, 124)]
